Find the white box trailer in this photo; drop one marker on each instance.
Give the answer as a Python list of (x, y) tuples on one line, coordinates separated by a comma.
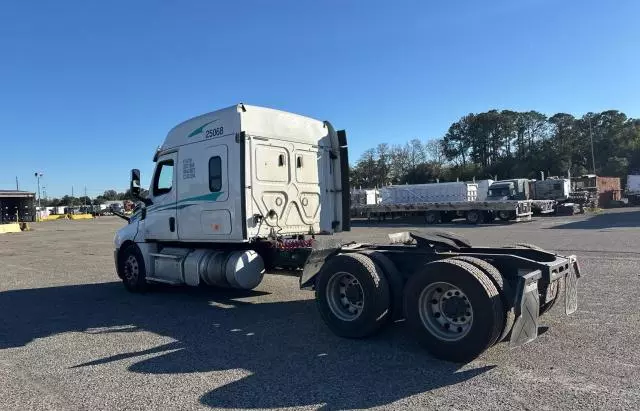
[(237, 191), (425, 193)]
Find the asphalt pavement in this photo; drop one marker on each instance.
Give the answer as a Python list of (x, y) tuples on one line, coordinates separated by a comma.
[(71, 337)]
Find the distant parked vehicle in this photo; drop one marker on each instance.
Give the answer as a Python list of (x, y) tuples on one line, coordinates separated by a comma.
[(633, 189)]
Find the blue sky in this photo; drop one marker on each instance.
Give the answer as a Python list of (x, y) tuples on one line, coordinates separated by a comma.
[(88, 89)]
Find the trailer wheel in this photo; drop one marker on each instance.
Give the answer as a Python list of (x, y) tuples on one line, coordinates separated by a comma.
[(352, 295), (503, 287), (454, 309), (432, 217), (505, 215), (133, 269), (474, 217), (557, 288)]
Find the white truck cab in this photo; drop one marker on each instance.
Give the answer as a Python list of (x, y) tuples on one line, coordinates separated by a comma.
[(228, 188)]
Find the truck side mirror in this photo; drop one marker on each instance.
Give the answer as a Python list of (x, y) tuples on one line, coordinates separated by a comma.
[(135, 182)]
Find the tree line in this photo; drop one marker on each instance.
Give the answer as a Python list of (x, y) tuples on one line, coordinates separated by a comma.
[(508, 144), (71, 201)]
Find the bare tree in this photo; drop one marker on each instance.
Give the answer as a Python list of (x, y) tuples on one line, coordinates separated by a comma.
[(434, 151)]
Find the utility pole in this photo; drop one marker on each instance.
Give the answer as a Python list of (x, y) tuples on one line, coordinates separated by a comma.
[(17, 185), (593, 156), (85, 195), (38, 175)]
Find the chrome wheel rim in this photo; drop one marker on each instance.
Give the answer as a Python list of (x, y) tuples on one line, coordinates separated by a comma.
[(345, 296), (445, 311)]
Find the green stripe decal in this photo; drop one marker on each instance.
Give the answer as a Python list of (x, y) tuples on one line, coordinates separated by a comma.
[(199, 129), (181, 204)]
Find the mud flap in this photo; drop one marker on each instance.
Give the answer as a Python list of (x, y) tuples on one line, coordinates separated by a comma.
[(527, 307), (571, 287), (322, 249)]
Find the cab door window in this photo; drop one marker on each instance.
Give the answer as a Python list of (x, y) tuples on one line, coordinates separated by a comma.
[(163, 179)]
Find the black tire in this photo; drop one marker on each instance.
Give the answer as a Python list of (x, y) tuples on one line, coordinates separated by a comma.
[(374, 291), (506, 215), (132, 269), (432, 217), (504, 288), (395, 281), (559, 285), (474, 217), (482, 297)]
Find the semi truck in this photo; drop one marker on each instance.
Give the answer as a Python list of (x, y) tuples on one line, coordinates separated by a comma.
[(633, 189), (518, 189), (247, 190)]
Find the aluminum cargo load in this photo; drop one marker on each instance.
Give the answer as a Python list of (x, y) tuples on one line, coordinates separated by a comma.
[(428, 193)]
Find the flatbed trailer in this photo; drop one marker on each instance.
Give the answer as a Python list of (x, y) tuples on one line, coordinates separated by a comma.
[(474, 212)]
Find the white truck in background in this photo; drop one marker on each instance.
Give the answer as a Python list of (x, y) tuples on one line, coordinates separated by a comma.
[(524, 189), (247, 189), (633, 189)]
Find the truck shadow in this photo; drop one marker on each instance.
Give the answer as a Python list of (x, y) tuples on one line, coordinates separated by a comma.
[(603, 221), (290, 357)]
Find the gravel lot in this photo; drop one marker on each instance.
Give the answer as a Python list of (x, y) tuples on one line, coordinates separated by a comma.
[(71, 337)]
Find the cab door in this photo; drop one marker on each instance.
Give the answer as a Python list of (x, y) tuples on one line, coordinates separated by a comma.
[(161, 222), (204, 209)]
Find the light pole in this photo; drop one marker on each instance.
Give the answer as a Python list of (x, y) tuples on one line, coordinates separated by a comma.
[(38, 175)]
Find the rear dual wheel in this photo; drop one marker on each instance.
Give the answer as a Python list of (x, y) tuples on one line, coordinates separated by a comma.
[(454, 309), (353, 295), (504, 289)]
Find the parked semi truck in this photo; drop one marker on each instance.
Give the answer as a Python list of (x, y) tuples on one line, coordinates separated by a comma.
[(633, 189), (518, 189), (246, 189)]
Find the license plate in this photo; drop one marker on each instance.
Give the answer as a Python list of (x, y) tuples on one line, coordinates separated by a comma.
[(571, 291)]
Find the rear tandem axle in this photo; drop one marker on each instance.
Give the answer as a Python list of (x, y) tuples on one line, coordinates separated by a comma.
[(458, 299)]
